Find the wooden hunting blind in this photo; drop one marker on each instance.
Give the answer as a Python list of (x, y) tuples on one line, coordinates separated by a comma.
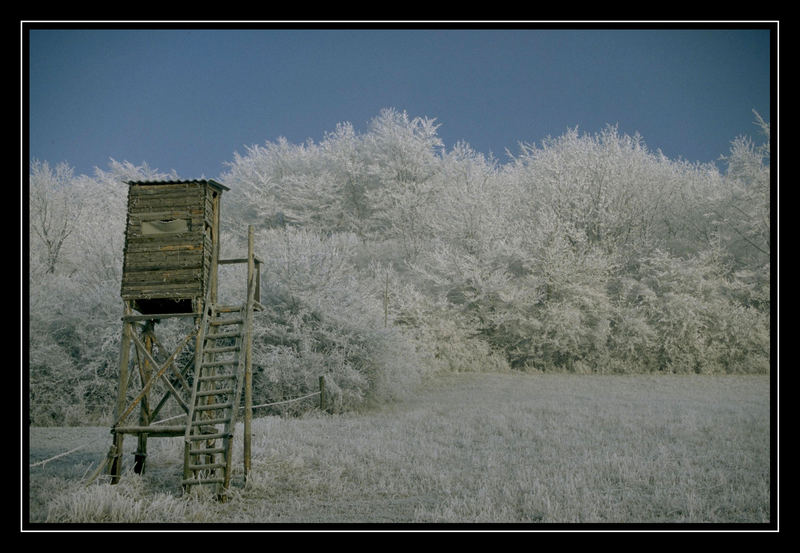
[(171, 238), (171, 256)]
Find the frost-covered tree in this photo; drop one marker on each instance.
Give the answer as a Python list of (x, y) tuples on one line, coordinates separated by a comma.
[(609, 186), (405, 161), (743, 210), (349, 182), (54, 212), (273, 185), (402, 149)]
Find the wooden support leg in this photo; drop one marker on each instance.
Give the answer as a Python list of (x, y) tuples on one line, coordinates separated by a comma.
[(144, 410), (115, 467), (140, 456)]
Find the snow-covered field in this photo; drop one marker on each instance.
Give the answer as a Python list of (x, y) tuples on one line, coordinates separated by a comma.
[(468, 448)]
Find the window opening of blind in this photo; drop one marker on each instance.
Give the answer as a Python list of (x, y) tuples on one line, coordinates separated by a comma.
[(165, 226)]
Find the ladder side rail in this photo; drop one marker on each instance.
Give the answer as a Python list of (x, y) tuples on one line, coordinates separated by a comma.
[(243, 371), (253, 296), (230, 425), (198, 366)]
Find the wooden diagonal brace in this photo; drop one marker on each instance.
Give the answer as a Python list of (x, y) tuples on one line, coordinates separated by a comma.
[(168, 393), (161, 371), (175, 393), (175, 369)]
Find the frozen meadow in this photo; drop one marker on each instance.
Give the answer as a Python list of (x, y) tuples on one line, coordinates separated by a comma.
[(466, 449)]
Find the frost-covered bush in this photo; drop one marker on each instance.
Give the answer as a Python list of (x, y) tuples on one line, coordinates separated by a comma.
[(324, 318), (700, 325), (73, 349), (633, 342)]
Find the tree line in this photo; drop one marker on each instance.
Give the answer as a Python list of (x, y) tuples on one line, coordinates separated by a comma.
[(390, 257)]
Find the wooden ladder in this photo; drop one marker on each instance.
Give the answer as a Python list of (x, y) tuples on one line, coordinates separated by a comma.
[(216, 397)]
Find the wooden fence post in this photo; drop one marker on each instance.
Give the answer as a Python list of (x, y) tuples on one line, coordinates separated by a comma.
[(323, 400)]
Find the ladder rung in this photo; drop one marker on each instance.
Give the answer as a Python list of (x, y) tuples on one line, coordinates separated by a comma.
[(209, 428), (207, 451), (215, 377), (227, 308), (217, 392), (223, 322), (220, 363), (212, 406), (208, 466), (193, 481), (223, 349), (210, 422), (216, 436), (221, 335)]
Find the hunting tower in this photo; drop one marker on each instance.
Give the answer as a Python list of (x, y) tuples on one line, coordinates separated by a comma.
[(170, 271)]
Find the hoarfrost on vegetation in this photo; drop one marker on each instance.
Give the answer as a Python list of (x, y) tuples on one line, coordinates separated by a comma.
[(390, 257)]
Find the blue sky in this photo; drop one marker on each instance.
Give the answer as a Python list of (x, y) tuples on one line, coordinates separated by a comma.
[(188, 98)]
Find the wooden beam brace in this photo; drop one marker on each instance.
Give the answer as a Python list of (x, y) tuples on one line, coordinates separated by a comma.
[(256, 260), (131, 318), (153, 431)]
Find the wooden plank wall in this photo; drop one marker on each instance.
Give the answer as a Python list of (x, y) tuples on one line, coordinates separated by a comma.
[(171, 265)]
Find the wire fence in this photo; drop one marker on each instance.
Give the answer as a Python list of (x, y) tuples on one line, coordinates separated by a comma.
[(64, 454)]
